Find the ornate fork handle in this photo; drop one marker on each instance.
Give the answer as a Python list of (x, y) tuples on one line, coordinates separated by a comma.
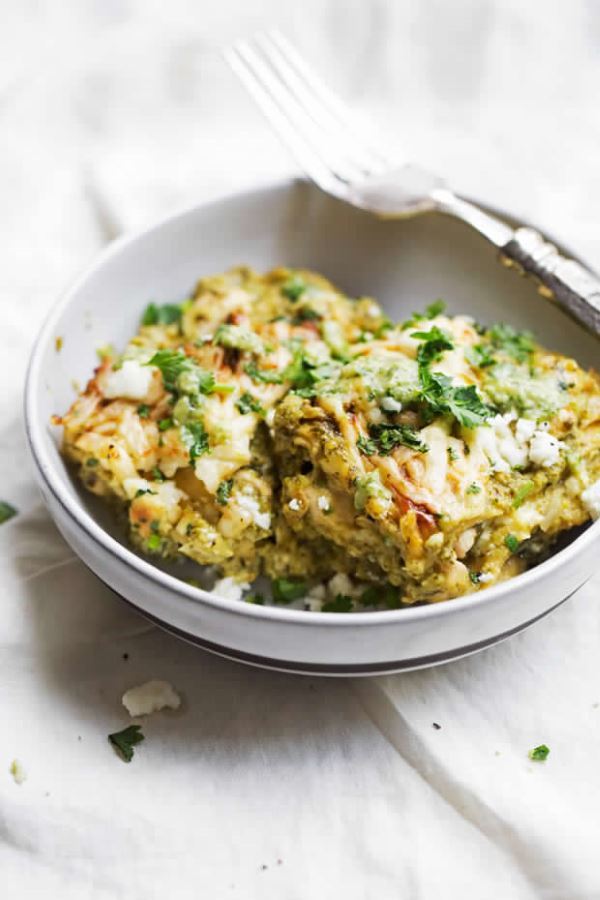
[(344, 160), (567, 282)]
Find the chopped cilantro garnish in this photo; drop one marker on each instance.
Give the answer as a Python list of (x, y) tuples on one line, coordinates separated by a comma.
[(303, 373), (247, 403), (366, 446), (369, 488), (287, 589), (257, 599), (195, 380), (181, 374), (382, 329), (235, 337), (388, 437), (341, 604), (141, 491), (480, 356), (294, 287), (467, 407), (522, 494), (381, 595), (6, 511), (539, 753), (511, 543), (474, 488), (435, 342), (171, 364), (434, 309), (154, 542), (124, 741), (517, 344), (165, 424), (143, 410), (452, 454), (224, 491), (474, 576), (437, 390), (268, 376), (165, 314), (91, 461), (306, 314), (195, 438), (157, 475), (441, 396)]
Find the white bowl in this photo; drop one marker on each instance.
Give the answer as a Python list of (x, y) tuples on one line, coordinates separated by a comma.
[(405, 264)]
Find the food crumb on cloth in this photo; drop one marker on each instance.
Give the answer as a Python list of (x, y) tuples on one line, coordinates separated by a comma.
[(150, 697), (17, 771)]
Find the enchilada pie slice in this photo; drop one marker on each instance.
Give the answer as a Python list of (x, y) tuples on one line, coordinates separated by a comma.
[(271, 425), (441, 457), (176, 429)]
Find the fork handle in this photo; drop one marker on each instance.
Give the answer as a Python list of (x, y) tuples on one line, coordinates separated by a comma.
[(560, 278)]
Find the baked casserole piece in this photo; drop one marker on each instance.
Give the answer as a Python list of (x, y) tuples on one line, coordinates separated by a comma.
[(272, 426)]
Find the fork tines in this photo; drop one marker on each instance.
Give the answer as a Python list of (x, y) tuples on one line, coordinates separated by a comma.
[(320, 130)]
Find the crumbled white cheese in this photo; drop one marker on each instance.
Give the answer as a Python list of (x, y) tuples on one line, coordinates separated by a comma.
[(229, 589), (323, 503), (313, 604), (250, 504), (17, 771), (294, 504), (591, 499), (169, 496), (510, 449), (163, 497), (528, 516), (487, 441), (150, 697), (485, 577), (132, 485), (506, 449), (529, 443), (375, 415), (315, 598), (435, 541), (342, 584), (544, 450), (131, 381), (463, 544), (212, 471), (270, 417), (391, 405), (524, 430)]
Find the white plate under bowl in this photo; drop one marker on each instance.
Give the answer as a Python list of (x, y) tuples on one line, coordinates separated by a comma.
[(405, 264)]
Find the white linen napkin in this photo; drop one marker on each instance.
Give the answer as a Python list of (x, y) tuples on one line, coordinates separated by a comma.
[(265, 785)]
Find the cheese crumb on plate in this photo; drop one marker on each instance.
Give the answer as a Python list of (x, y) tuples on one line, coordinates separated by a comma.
[(150, 697)]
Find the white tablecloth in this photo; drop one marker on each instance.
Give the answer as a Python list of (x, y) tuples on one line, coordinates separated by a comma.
[(113, 112)]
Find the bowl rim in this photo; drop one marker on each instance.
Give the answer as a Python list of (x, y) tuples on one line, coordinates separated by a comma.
[(79, 516)]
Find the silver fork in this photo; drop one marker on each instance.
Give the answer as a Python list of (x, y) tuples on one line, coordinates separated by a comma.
[(340, 157)]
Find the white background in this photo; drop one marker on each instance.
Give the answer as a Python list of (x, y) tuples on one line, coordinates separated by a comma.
[(113, 112)]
